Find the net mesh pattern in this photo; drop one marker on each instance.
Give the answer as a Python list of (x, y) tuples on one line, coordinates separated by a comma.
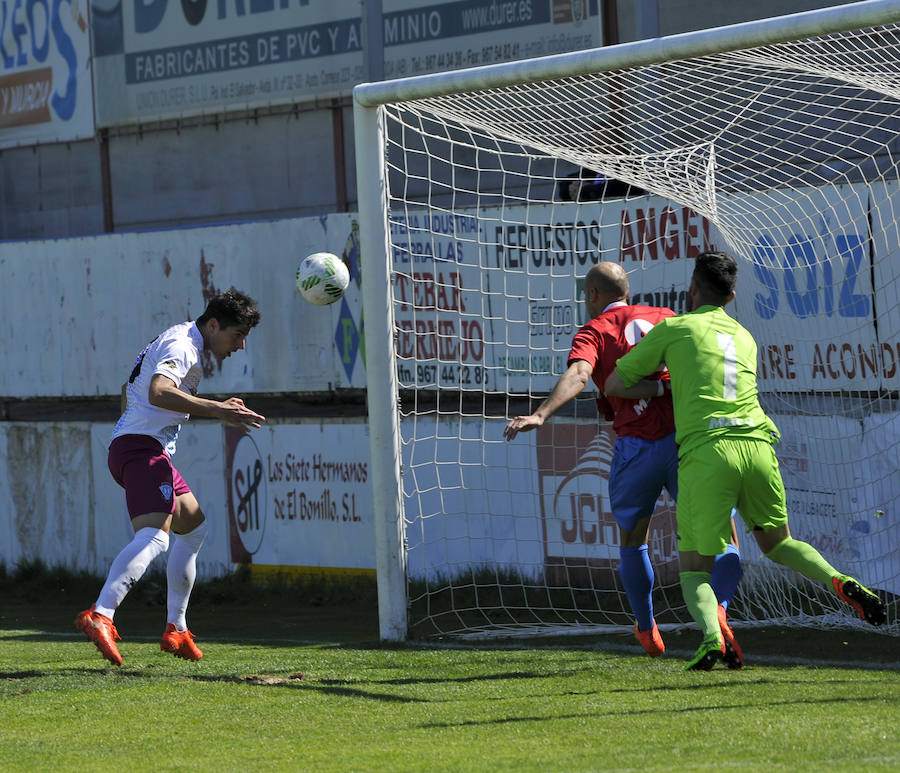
[(499, 201)]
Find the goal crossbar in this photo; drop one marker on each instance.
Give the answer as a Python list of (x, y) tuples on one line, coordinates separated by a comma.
[(687, 45)]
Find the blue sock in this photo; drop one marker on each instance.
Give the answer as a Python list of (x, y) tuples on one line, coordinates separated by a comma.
[(637, 577), (726, 574)]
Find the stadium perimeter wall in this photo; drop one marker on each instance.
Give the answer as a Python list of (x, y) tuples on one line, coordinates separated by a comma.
[(296, 493)]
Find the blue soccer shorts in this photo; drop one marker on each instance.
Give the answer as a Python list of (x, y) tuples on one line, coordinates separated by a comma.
[(639, 471)]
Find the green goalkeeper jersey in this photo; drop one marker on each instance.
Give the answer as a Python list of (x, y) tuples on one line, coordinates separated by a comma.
[(712, 363)]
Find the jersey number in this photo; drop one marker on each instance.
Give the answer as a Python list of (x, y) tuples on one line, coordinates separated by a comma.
[(729, 386), (136, 370)]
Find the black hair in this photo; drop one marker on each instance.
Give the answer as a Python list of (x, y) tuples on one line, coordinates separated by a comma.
[(716, 274), (232, 309)]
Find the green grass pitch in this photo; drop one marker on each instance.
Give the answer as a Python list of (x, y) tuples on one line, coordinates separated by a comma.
[(296, 680)]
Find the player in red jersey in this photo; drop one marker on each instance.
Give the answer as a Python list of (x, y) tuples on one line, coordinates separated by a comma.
[(645, 458)]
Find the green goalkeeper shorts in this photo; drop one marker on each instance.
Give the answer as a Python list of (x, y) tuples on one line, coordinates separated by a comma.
[(722, 474)]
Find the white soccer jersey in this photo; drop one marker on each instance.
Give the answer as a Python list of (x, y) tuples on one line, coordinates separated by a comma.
[(176, 355)]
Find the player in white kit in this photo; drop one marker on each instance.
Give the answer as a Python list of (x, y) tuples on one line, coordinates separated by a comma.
[(160, 394)]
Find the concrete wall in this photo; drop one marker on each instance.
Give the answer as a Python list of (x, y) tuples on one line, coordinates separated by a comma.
[(277, 166), (51, 191), (80, 310)]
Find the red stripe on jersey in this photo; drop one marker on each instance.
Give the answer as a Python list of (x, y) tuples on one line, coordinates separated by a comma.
[(600, 343)]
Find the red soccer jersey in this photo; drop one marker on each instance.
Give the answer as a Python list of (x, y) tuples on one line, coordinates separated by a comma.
[(600, 343)]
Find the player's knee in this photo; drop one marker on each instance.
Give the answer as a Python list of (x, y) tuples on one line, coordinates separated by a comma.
[(196, 536), (773, 550), (637, 536), (772, 539)]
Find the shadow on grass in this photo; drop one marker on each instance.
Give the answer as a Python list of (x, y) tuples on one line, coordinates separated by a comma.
[(297, 681), (662, 711), (368, 690), (234, 609), (309, 611), (21, 674), (774, 648)]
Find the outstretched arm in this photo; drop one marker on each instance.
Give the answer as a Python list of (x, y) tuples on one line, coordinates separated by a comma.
[(569, 385), (164, 394)]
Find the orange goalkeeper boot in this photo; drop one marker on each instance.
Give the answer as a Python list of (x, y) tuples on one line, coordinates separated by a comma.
[(866, 603), (733, 657)]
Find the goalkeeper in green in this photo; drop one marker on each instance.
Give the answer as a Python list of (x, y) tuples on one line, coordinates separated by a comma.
[(725, 450)]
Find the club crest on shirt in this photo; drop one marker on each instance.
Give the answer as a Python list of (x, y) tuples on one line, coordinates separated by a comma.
[(166, 490), (170, 364)]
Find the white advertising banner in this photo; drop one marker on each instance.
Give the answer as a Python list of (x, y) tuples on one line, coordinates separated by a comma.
[(874, 536), (45, 73), (288, 495), (471, 499), (819, 458), (436, 35), (541, 502), (807, 296), (162, 58), (579, 530), (808, 302), (299, 495), (158, 59), (840, 477), (494, 302)]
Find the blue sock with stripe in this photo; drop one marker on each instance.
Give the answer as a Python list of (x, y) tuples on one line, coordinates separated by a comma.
[(637, 578), (726, 574)]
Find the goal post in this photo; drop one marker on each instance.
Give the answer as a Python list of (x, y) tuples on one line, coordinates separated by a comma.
[(381, 373), (484, 196)]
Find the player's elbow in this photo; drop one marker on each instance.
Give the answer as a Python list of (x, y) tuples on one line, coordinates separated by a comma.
[(157, 391), (156, 398), (580, 380), (579, 374)]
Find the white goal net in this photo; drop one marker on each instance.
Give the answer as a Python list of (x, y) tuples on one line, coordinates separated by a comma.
[(494, 191)]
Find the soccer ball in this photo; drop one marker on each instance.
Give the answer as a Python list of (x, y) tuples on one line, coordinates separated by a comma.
[(322, 278)]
